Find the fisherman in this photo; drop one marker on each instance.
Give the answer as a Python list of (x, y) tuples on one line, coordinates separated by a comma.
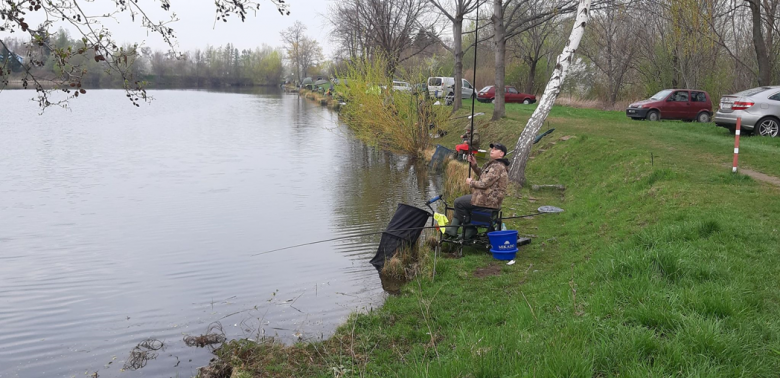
[(488, 191), (470, 142)]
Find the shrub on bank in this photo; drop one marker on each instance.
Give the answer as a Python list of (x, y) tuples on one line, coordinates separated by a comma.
[(395, 120)]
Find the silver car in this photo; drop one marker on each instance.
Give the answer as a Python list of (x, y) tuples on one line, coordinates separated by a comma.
[(759, 109)]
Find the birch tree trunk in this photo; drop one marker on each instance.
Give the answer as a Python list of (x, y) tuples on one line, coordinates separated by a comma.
[(524, 143), (500, 48)]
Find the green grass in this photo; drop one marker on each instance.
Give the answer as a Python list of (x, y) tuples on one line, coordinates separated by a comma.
[(655, 269)]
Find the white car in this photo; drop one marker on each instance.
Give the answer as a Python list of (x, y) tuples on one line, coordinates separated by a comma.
[(401, 86), (439, 87)]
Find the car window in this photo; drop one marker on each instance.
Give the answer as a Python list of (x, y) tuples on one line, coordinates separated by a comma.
[(680, 96), (775, 97), (486, 88), (511, 90), (752, 92), (661, 95), (434, 82), (698, 97), (466, 84)]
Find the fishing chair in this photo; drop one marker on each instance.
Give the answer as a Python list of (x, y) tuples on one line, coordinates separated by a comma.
[(480, 220)]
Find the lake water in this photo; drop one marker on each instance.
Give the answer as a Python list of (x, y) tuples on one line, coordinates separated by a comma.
[(121, 224)]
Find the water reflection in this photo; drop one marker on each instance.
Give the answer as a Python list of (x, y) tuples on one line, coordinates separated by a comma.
[(122, 224), (369, 187)]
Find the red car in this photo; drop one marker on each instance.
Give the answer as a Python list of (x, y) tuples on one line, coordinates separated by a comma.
[(488, 94), (685, 104)]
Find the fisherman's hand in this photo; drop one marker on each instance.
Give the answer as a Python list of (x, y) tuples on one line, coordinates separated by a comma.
[(472, 160), (468, 181)]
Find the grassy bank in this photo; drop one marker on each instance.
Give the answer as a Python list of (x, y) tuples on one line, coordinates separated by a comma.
[(662, 267)]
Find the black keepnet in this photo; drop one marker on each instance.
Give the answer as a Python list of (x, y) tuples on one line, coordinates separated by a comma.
[(404, 229)]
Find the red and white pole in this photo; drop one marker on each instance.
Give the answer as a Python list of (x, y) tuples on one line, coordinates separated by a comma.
[(736, 145)]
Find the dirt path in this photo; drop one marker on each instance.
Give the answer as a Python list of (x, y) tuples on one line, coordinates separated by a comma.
[(760, 176)]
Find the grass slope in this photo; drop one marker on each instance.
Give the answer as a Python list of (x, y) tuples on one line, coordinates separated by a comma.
[(655, 269)]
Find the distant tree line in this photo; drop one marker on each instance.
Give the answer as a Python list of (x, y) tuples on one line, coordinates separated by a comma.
[(220, 66), (214, 67)]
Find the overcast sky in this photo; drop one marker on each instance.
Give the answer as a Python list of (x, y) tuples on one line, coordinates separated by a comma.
[(196, 27)]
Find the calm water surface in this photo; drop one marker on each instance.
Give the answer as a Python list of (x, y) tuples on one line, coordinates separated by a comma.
[(120, 224)]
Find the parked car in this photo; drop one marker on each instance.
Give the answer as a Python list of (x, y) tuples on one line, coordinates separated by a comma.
[(511, 94), (439, 87), (401, 86), (759, 109), (684, 104)]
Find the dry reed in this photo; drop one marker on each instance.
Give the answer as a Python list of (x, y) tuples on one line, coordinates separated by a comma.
[(456, 173), (410, 261)]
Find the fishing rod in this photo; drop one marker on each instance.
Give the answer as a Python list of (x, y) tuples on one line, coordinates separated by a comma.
[(473, 89), (395, 230)]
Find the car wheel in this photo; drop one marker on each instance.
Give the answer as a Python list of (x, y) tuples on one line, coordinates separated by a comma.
[(653, 115), (768, 126), (493, 101), (526, 101), (703, 117)]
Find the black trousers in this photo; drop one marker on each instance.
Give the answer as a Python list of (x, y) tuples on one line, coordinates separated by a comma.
[(462, 207)]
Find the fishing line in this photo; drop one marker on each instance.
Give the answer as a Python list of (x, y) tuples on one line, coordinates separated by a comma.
[(342, 237), (374, 233)]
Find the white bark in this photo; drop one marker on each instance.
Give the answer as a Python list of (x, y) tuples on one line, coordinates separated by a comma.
[(524, 143)]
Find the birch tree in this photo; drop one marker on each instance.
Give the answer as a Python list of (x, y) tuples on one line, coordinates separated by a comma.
[(524, 143)]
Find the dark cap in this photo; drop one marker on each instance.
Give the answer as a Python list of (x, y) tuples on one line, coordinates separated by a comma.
[(499, 146)]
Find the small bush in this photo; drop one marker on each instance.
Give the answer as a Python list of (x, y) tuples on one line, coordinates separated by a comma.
[(389, 119)]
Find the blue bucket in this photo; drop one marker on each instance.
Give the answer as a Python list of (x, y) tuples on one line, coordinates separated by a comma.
[(503, 244)]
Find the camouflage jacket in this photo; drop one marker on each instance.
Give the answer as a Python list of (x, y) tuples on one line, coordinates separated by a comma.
[(490, 189)]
